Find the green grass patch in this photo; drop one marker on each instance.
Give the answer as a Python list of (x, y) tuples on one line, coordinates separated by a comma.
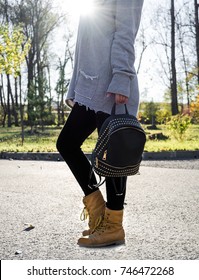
[(38, 141), (45, 141), (190, 140)]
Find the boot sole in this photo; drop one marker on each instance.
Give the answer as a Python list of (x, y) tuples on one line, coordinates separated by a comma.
[(112, 243)]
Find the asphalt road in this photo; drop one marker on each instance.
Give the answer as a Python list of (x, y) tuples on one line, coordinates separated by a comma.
[(41, 203)]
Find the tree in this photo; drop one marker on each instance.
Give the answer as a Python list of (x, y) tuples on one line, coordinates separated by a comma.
[(2, 101), (177, 40), (149, 111), (196, 7), (39, 21), (142, 41), (13, 49), (182, 34), (174, 100), (63, 82), (12, 55), (165, 42), (61, 89)]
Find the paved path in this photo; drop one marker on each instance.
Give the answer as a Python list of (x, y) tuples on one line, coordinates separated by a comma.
[(161, 216)]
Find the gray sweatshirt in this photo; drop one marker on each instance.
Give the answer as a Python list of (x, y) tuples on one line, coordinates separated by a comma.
[(105, 56)]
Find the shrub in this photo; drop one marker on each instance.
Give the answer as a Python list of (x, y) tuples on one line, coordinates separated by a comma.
[(178, 125), (162, 115)]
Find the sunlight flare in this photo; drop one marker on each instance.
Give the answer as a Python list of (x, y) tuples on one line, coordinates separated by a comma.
[(80, 7)]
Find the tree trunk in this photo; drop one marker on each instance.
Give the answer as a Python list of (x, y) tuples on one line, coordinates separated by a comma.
[(21, 111), (30, 66), (185, 68), (3, 102), (174, 100), (14, 111), (50, 90), (16, 104), (62, 108), (8, 100), (58, 111), (196, 4)]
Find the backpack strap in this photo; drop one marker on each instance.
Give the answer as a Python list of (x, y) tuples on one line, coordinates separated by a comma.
[(114, 109), (101, 182)]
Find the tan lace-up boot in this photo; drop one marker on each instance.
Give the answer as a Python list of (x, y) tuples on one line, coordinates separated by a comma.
[(109, 232), (93, 210)]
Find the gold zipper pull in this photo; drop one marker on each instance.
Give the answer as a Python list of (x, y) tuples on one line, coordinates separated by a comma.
[(105, 155)]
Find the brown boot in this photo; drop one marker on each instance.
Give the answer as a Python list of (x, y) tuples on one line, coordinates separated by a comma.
[(94, 209), (109, 232)]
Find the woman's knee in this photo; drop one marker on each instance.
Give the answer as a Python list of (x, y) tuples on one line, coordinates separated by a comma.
[(66, 145), (59, 145)]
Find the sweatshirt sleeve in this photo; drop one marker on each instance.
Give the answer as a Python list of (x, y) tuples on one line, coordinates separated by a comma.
[(127, 20)]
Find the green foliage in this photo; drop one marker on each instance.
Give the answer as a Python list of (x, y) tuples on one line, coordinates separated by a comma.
[(39, 104), (178, 125), (154, 112), (162, 115), (61, 89), (148, 111), (13, 49)]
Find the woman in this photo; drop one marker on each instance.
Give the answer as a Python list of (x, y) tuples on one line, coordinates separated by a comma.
[(104, 73)]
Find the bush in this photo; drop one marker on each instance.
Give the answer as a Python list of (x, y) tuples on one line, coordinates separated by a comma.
[(178, 125), (162, 115)]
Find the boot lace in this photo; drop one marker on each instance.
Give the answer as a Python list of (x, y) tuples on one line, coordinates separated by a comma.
[(98, 223), (84, 215), (101, 224)]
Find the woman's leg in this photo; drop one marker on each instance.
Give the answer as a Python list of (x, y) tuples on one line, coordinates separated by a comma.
[(79, 125), (110, 229), (113, 185)]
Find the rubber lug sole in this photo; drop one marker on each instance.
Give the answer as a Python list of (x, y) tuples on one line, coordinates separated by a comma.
[(113, 243)]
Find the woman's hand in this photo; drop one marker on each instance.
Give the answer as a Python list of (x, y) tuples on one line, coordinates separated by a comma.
[(119, 98)]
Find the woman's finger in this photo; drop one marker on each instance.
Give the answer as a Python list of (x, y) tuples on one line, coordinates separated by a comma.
[(120, 99)]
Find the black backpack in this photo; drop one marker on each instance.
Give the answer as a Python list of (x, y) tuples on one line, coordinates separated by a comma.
[(119, 148)]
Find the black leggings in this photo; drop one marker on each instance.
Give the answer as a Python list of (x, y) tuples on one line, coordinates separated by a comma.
[(79, 125)]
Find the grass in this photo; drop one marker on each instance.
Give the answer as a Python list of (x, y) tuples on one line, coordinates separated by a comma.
[(10, 140), (190, 140)]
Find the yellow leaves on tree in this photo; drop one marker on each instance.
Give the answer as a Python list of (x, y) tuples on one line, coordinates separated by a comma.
[(194, 107), (14, 47)]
